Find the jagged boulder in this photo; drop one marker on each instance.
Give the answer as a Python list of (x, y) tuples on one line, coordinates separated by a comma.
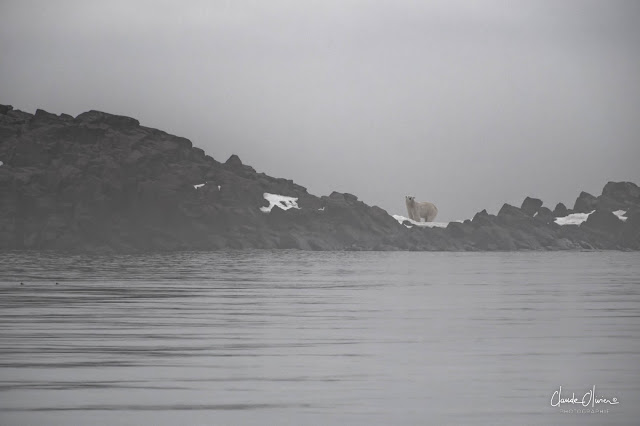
[(509, 211), (630, 232), (604, 220), (561, 210), (544, 214), (42, 115), (625, 193), (233, 160), (102, 118), (585, 203), (482, 218), (530, 206)]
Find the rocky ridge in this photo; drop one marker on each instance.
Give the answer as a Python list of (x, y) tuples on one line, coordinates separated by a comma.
[(102, 182)]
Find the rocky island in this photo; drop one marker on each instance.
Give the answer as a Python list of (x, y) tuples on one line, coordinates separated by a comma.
[(103, 183)]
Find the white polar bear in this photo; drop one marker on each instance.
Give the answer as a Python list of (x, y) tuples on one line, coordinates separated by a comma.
[(418, 211)]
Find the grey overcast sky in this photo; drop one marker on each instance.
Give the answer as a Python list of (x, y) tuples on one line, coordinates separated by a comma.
[(468, 104)]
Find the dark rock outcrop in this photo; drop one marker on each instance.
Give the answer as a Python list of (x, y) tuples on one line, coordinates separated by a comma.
[(585, 203), (627, 193), (545, 215), (605, 221), (103, 182), (531, 205), (234, 160), (561, 210), (510, 211), (619, 196)]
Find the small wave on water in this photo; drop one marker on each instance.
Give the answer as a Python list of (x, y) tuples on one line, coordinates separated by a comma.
[(289, 337)]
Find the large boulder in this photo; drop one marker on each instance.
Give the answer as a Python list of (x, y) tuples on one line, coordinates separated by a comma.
[(531, 206), (482, 218), (4, 109), (561, 210), (630, 232), (585, 203), (545, 215), (234, 160), (120, 122), (626, 193), (507, 210), (603, 220)]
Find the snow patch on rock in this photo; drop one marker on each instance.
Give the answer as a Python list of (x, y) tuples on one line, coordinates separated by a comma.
[(282, 201)]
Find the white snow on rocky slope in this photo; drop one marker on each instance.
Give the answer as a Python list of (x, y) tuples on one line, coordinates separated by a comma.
[(621, 215), (573, 219), (282, 201), (401, 219)]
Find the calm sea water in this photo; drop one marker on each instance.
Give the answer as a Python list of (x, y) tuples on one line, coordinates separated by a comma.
[(308, 338)]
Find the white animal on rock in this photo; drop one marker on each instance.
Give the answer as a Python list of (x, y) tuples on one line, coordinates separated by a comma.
[(418, 211)]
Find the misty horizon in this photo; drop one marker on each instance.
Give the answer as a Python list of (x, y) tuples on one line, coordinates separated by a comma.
[(466, 106)]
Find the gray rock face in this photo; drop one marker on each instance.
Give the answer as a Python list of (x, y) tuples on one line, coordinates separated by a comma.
[(560, 210), (625, 192), (531, 205), (508, 210), (605, 221), (545, 215), (619, 196), (585, 203), (234, 160), (103, 182)]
